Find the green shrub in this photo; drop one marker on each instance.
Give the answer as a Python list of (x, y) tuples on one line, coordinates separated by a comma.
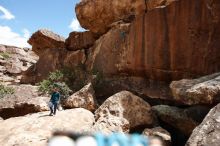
[(70, 80), (5, 55), (45, 86), (66, 79), (55, 80), (5, 91)]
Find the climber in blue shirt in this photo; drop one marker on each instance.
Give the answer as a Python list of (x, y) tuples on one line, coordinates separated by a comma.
[(54, 101)]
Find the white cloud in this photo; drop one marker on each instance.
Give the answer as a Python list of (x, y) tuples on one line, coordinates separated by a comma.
[(8, 37), (75, 26), (6, 13)]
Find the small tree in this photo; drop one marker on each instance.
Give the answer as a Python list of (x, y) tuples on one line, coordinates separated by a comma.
[(55, 80)]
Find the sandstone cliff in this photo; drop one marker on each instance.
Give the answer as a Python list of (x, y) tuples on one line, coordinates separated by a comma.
[(141, 46)]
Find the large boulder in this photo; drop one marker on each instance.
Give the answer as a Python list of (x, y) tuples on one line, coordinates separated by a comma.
[(25, 100), (119, 106), (204, 90), (98, 15), (84, 98), (207, 133), (185, 120), (36, 129), (80, 40), (13, 61), (44, 39)]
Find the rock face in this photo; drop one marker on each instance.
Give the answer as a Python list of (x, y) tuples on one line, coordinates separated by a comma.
[(85, 98), (44, 39), (25, 100), (52, 56), (80, 40), (36, 129), (13, 61), (204, 90), (158, 132), (152, 46), (117, 111), (56, 59), (185, 120), (98, 15), (207, 133)]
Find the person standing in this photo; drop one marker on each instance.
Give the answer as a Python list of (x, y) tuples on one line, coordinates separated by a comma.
[(54, 101)]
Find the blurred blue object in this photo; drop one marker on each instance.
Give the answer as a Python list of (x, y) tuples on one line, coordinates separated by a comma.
[(99, 139)]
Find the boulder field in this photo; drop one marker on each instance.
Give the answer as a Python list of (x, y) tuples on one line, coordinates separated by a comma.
[(153, 67)]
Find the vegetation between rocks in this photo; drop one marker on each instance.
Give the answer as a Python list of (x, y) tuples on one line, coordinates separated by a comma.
[(55, 80), (6, 91), (70, 80), (5, 55)]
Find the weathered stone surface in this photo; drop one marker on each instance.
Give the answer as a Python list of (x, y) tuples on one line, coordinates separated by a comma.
[(35, 129), (98, 15), (51, 60), (207, 133), (110, 45), (152, 4), (85, 98), (157, 48), (119, 106), (185, 120), (13, 61), (204, 90), (158, 132), (44, 39), (25, 100), (110, 124), (80, 40)]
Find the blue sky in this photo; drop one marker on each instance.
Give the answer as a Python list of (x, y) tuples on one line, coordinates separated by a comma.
[(20, 18)]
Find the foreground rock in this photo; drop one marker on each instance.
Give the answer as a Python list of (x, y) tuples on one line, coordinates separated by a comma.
[(185, 120), (204, 90), (35, 129), (25, 100), (85, 98), (158, 132), (13, 61), (207, 133), (44, 39), (80, 40), (122, 112)]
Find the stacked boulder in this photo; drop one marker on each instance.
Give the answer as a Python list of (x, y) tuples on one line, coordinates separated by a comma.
[(53, 56), (14, 61)]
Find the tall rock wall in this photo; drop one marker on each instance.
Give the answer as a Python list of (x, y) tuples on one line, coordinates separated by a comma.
[(165, 44)]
